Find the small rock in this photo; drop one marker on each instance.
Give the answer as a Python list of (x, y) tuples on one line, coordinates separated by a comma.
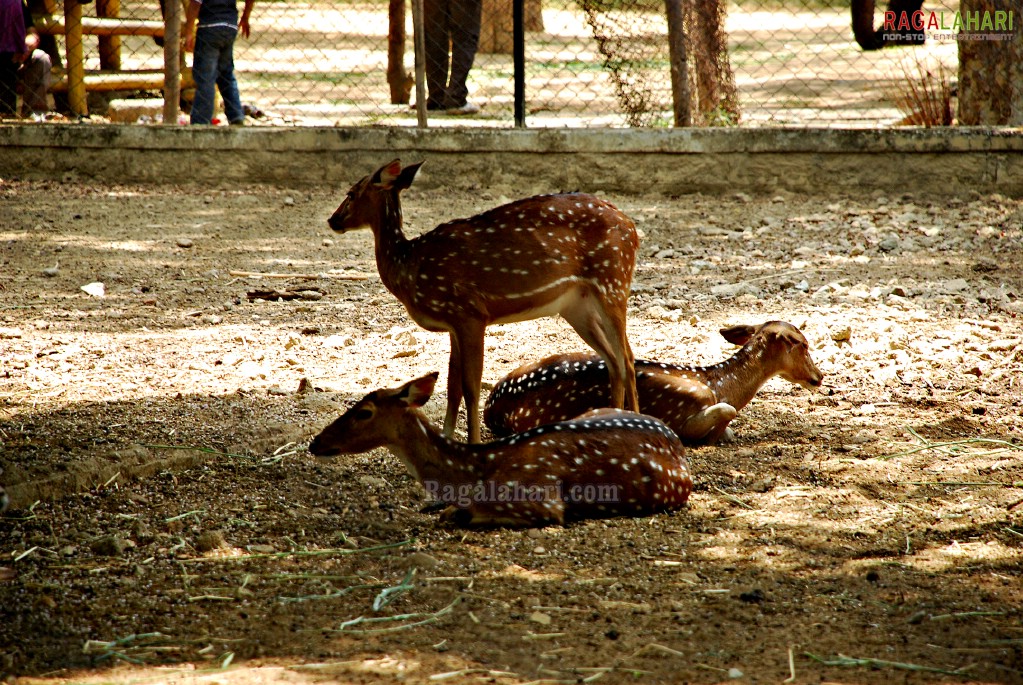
[(422, 560), (539, 549), (734, 290), (209, 541), (289, 201), (888, 243), (956, 285), (665, 254), (842, 335), (184, 242), (754, 596), (734, 673), (1004, 345), (251, 369), (52, 271), (110, 546), (327, 242), (277, 390), (373, 481), (96, 289), (862, 437), (261, 549), (540, 617), (338, 341)]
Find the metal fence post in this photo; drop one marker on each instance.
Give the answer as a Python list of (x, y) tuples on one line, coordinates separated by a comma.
[(519, 58)]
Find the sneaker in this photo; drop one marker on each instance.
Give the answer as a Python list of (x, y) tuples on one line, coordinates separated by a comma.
[(466, 109)]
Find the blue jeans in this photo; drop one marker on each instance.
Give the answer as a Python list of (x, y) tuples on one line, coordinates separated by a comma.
[(213, 67)]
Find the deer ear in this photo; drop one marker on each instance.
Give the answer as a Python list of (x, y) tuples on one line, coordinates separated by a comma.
[(738, 335), (792, 339), (407, 175), (386, 175), (416, 393)]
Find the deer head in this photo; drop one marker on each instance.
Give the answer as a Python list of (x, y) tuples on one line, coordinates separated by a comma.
[(373, 197)]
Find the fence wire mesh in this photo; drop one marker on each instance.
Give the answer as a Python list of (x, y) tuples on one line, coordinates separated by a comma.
[(588, 62)]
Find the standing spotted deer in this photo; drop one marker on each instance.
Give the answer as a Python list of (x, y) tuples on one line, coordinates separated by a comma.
[(607, 463), (570, 254), (697, 402)]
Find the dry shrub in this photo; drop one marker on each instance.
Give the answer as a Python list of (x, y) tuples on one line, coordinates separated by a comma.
[(923, 93)]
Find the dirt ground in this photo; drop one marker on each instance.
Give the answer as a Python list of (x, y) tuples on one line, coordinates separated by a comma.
[(168, 525)]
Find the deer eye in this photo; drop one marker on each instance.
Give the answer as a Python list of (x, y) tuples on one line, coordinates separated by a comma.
[(363, 415)]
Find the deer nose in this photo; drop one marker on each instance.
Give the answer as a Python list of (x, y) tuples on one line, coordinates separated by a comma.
[(812, 381), (318, 449)]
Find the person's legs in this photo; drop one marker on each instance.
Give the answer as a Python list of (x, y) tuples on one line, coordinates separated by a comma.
[(35, 79), (204, 72), (465, 39), (435, 25), (226, 81), (8, 85)]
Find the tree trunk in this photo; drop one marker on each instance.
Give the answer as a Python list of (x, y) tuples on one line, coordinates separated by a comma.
[(496, 24), (399, 80), (991, 71), (680, 96)]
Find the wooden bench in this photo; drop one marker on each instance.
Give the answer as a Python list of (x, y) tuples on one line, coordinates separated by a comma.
[(75, 80), (106, 81), (101, 26)]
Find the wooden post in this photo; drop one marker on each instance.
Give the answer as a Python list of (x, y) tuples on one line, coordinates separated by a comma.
[(171, 62), (77, 99), (419, 36), (397, 78), (680, 95), (109, 46)]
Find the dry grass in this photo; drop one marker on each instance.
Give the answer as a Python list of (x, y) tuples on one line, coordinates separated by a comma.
[(923, 93)]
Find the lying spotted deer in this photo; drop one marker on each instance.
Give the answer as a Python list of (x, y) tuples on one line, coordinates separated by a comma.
[(697, 402), (606, 463), (570, 254)]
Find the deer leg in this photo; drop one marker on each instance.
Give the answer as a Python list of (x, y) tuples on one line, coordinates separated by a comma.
[(708, 425), (614, 325), (592, 324), (454, 386), (470, 347)]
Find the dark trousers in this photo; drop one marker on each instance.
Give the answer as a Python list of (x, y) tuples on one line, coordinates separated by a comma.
[(8, 84), (454, 23)]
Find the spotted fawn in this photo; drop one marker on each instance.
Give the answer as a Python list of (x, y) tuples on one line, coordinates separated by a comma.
[(608, 462), (697, 402)]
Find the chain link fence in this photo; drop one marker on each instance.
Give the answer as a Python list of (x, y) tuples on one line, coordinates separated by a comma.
[(588, 63)]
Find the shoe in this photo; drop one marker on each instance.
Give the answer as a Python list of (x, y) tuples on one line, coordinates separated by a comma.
[(465, 109), (430, 107)]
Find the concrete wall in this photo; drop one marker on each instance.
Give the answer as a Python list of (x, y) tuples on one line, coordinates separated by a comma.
[(940, 162)]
